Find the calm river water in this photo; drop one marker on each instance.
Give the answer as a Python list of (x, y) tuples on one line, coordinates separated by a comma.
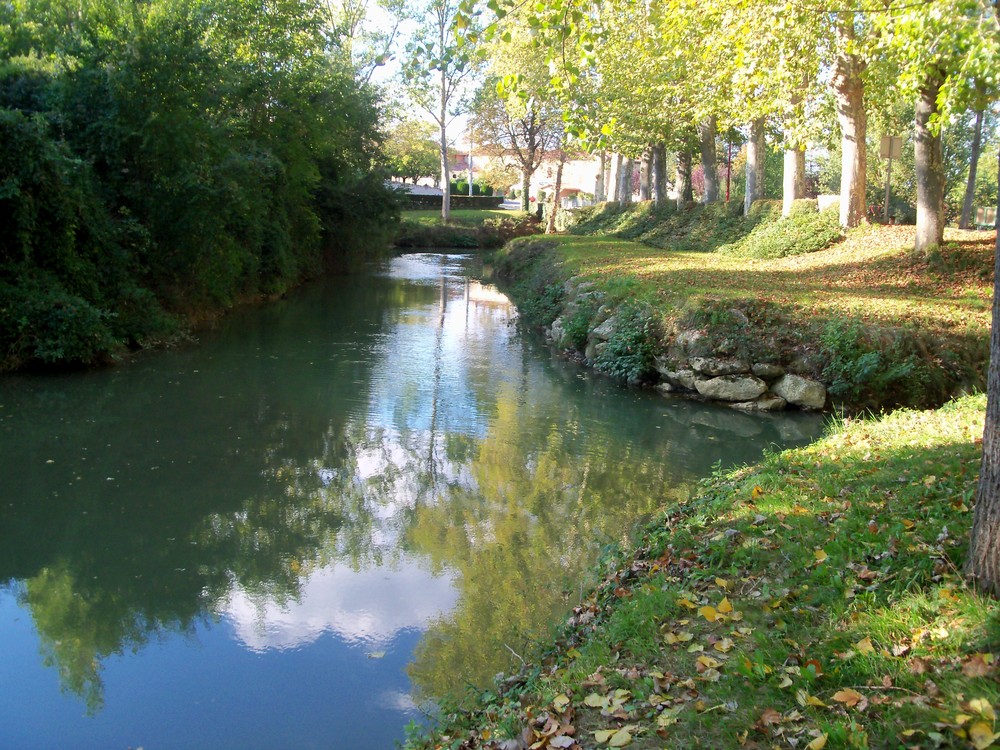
[(331, 510)]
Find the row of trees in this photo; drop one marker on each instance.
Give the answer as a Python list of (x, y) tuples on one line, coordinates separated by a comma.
[(173, 156)]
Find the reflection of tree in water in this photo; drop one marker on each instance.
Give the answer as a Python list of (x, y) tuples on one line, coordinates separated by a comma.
[(511, 474)]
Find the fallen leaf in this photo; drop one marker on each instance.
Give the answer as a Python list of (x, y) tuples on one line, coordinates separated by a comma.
[(687, 603), (785, 681), (820, 556), (562, 741), (982, 707), (724, 645), (770, 716), (848, 696), (603, 735), (982, 736), (817, 744), (596, 701), (709, 613), (725, 606), (621, 738), (978, 665), (865, 646)]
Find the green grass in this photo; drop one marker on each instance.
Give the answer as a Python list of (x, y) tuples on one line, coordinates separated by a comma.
[(463, 217), (814, 598), (879, 325)]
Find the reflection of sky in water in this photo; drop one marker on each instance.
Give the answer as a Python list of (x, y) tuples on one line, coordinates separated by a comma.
[(367, 608)]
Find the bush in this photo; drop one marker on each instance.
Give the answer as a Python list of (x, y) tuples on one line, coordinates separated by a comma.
[(528, 263), (630, 353), (805, 230)]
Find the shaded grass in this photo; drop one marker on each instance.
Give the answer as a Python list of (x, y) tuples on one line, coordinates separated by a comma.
[(463, 217), (813, 596)]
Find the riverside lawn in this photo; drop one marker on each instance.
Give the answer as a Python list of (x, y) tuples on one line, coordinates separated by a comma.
[(811, 601)]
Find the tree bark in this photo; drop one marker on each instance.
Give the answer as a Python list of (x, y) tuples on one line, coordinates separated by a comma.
[(929, 168), (707, 131), (599, 193), (685, 191), (645, 174), (616, 177), (983, 562), (525, 188), (970, 186), (659, 174), (849, 94), (551, 228), (625, 180), (443, 144), (794, 184), (755, 165)]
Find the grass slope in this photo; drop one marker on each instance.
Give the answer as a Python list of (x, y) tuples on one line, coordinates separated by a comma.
[(879, 324), (813, 601)]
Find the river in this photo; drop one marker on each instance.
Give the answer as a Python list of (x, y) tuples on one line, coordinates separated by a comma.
[(331, 510)]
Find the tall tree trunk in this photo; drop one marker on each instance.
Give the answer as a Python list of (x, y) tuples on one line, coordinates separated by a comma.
[(645, 174), (685, 191), (616, 177), (445, 170), (625, 180), (659, 174), (849, 93), (707, 131), (599, 193), (755, 164), (970, 186), (525, 188), (794, 183), (929, 168), (983, 562), (551, 228)]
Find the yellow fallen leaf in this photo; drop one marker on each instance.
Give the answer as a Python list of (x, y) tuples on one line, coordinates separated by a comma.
[(723, 646), (596, 701), (695, 648), (848, 696), (864, 646), (983, 707), (687, 603), (665, 719), (560, 701), (757, 492), (981, 735), (785, 681), (621, 738), (603, 735), (708, 662), (709, 613), (960, 719), (820, 556), (725, 607), (817, 744), (722, 583)]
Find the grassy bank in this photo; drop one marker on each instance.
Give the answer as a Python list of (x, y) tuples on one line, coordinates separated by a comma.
[(468, 228), (879, 325), (813, 601)]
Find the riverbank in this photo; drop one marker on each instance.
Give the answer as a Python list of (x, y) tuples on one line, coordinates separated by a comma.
[(812, 601), (864, 324), (468, 229)]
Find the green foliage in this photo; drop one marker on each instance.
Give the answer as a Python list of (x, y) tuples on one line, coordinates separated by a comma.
[(178, 155), (805, 230), (537, 282), (888, 368), (630, 353), (698, 228)]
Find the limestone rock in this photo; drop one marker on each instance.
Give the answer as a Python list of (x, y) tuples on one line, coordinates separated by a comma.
[(767, 371), (731, 387), (809, 394), (605, 330), (680, 378), (767, 402), (713, 367), (557, 333)]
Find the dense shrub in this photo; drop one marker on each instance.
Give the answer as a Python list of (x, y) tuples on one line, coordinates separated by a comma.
[(630, 353), (805, 230)]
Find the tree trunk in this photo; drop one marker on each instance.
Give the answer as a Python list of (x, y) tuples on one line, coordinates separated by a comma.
[(645, 174), (794, 184), (599, 194), (929, 169), (849, 93), (755, 164), (625, 180), (525, 187), (616, 177), (551, 228), (685, 191), (659, 174), (707, 130), (445, 170), (970, 187), (983, 562)]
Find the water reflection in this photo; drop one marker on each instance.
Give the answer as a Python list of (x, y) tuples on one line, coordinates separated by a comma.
[(385, 471)]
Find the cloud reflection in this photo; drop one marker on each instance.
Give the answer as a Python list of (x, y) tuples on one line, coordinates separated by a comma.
[(368, 607)]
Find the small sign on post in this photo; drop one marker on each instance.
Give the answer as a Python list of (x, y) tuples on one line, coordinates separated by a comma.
[(890, 148)]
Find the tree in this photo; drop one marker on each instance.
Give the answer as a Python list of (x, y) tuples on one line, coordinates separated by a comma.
[(983, 563), (410, 150), (439, 62)]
